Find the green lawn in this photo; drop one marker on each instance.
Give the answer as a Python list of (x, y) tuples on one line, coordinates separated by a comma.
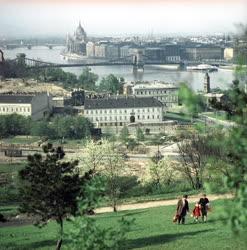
[(152, 230), (180, 117), (21, 139)]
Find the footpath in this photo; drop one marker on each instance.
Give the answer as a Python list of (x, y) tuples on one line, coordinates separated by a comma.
[(160, 203)]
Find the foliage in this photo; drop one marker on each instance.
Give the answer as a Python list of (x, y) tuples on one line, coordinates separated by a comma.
[(194, 151), (193, 102), (87, 80), (113, 167), (124, 134), (111, 84), (139, 134), (14, 124), (86, 234), (70, 127), (49, 187), (161, 172)]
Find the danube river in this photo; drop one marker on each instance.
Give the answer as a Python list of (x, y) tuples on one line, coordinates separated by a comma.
[(221, 79)]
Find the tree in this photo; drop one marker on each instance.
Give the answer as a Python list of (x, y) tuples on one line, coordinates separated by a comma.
[(113, 168), (86, 234), (139, 134), (161, 171), (124, 134), (111, 84), (194, 151), (87, 79), (193, 102), (49, 187)]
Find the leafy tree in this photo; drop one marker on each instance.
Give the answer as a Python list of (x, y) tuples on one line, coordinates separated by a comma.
[(85, 232), (49, 187), (124, 134), (161, 171), (87, 80), (111, 84), (194, 152), (139, 134), (14, 124), (193, 102)]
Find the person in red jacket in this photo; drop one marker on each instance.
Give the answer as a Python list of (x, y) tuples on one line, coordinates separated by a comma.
[(196, 212)]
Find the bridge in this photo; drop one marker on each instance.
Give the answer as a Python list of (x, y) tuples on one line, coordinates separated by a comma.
[(30, 46), (136, 60)]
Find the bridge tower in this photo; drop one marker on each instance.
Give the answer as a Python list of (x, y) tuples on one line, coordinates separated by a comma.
[(206, 83), (138, 60), (1, 65)]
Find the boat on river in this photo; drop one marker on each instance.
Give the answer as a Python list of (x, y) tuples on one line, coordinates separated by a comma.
[(202, 67)]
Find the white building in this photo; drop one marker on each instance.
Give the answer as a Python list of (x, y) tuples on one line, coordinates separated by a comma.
[(120, 111), (166, 93), (90, 48), (37, 106)]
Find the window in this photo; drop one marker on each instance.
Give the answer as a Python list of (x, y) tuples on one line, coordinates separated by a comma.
[(148, 117), (105, 111), (125, 111), (153, 116), (138, 117), (105, 118), (158, 117)]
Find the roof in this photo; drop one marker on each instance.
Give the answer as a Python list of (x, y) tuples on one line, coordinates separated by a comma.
[(122, 102), (16, 99)]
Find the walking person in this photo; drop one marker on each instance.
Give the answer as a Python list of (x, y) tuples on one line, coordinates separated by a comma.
[(182, 209), (204, 203)]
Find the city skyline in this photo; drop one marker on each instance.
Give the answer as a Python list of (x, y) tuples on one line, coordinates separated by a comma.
[(138, 17)]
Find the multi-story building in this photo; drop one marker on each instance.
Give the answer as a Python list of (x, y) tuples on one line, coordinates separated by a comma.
[(165, 93), (155, 54), (77, 43), (90, 48), (37, 106), (204, 53), (172, 53), (120, 111)]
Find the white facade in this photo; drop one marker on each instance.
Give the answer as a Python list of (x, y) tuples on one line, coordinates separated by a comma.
[(123, 115), (37, 106), (165, 93)]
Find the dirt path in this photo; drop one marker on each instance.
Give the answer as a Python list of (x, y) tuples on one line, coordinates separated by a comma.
[(159, 203)]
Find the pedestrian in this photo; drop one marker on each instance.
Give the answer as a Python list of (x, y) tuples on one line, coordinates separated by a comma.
[(182, 209), (196, 212), (204, 203)]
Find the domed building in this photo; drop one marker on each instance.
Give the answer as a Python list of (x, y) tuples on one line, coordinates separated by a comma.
[(77, 43)]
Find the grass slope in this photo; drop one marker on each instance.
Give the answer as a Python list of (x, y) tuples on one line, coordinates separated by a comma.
[(152, 230)]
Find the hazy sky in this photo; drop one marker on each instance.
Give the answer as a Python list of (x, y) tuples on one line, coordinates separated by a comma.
[(120, 17)]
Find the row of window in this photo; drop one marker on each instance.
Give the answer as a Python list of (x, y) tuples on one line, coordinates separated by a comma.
[(120, 111), (152, 92), (14, 109), (167, 98), (123, 118)]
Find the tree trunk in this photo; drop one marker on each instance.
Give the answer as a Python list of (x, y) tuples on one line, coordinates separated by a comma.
[(60, 241)]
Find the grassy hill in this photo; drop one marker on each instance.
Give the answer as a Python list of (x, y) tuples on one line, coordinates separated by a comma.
[(153, 229)]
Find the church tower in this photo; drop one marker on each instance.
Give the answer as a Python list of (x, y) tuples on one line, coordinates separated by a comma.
[(206, 83)]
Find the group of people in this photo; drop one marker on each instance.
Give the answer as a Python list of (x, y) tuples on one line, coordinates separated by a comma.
[(200, 210)]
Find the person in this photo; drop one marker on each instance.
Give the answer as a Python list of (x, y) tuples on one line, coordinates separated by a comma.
[(196, 212), (182, 209), (204, 203)]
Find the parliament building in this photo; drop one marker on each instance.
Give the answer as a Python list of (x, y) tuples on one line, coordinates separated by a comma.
[(76, 44)]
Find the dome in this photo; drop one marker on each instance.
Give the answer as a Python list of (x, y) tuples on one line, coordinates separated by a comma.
[(80, 33)]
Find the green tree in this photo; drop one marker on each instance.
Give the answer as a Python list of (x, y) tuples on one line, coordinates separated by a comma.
[(111, 84), (86, 233), (192, 101), (87, 80), (124, 134), (139, 134), (49, 187)]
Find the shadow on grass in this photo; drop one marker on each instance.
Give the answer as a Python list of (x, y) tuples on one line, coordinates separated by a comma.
[(161, 239), (33, 245)]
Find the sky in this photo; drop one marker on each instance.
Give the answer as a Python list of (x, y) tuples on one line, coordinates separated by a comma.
[(120, 17)]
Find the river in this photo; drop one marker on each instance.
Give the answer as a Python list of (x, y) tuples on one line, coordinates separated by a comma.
[(221, 79)]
